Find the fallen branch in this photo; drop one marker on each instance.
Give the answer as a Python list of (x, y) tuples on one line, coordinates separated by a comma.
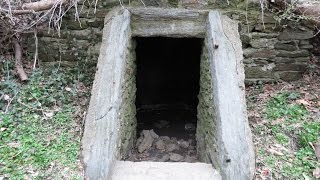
[(18, 56), (42, 5), (16, 12)]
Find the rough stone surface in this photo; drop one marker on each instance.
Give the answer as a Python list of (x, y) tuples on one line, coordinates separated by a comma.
[(102, 138), (160, 144), (107, 125), (126, 170), (162, 148), (290, 75), (146, 141), (175, 157), (263, 43), (252, 72), (171, 147), (288, 46), (183, 144), (225, 134), (293, 54), (291, 35), (80, 43), (168, 22)]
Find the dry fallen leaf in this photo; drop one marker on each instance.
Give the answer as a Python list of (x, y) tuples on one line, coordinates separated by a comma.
[(302, 101), (275, 152), (14, 144), (6, 97), (48, 114), (68, 89), (278, 121), (266, 172), (316, 173)]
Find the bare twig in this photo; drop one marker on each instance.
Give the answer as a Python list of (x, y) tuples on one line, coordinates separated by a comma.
[(36, 50), (7, 107)]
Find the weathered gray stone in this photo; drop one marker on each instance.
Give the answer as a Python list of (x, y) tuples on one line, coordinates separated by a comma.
[(263, 43), (100, 142), (284, 60), (261, 61), (302, 59), (290, 75), (306, 46), (296, 35), (248, 61), (258, 72), (126, 170), (183, 144), (291, 67), (259, 53), (160, 144), (293, 54), (171, 147), (190, 159), (304, 42), (292, 60), (175, 157), (168, 22), (165, 158), (153, 134), (256, 35), (252, 81), (146, 142), (231, 151), (288, 46)]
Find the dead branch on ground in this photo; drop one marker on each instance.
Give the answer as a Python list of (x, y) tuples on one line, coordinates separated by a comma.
[(18, 56)]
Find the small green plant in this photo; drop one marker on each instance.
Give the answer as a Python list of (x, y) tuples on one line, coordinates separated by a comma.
[(279, 107), (40, 134), (291, 126), (310, 133), (282, 139)]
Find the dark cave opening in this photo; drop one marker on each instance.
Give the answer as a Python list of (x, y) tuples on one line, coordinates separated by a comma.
[(167, 80), (168, 72)]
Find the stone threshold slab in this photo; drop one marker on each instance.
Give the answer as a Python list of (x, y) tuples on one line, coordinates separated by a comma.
[(127, 170)]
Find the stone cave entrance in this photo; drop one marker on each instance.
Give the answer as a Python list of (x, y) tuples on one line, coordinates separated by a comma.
[(167, 81), (174, 75)]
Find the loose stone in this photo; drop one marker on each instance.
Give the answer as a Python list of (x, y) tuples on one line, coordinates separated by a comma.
[(175, 157), (171, 147), (160, 145)]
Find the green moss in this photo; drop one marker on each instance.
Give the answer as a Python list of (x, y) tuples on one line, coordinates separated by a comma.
[(173, 3)]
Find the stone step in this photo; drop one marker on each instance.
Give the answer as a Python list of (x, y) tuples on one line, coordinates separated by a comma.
[(128, 170)]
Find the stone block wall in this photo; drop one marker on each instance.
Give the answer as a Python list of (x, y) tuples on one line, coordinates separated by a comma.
[(271, 52), (206, 138)]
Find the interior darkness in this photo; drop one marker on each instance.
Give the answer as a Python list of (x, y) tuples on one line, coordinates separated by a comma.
[(168, 71)]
